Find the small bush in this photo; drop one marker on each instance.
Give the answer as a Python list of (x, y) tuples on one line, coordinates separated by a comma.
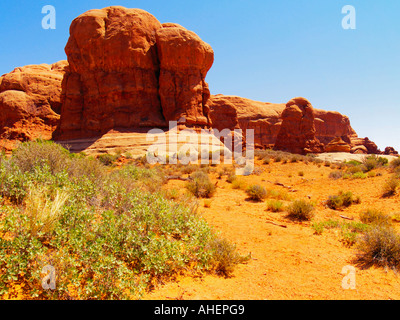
[(225, 257), (336, 175), (395, 163), (375, 217), (275, 206), (390, 187), (231, 178), (370, 163), (300, 210), (201, 186), (30, 155), (256, 192), (359, 175), (107, 159), (343, 199), (379, 246), (239, 184)]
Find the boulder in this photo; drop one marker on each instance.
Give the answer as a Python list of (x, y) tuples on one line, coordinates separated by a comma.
[(297, 132)]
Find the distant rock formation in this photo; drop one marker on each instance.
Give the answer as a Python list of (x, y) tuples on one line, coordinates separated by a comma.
[(30, 102), (337, 145), (390, 151), (297, 133)]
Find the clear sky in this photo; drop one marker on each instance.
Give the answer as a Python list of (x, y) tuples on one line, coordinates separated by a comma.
[(265, 50)]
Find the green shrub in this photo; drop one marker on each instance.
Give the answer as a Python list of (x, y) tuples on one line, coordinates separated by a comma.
[(109, 235), (107, 159), (359, 175), (201, 186), (275, 206), (300, 210), (376, 217), (225, 257), (343, 199), (379, 246), (256, 192), (30, 155), (390, 187)]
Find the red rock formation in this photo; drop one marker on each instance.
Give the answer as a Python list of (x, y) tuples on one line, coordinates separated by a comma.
[(232, 112), (184, 62), (113, 78), (371, 147), (390, 151), (331, 124), (30, 100), (337, 145), (129, 71), (297, 133)]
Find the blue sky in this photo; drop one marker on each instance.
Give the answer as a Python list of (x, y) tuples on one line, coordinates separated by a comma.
[(265, 50)]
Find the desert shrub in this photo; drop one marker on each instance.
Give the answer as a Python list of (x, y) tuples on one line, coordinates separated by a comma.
[(231, 178), (379, 246), (30, 155), (343, 199), (278, 194), (359, 175), (376, 217), (266, 160), (354, 169), (239, 184), (201, 186), (107, 159), (224, 256), (370, 163), (319, 227), (336, 174), (390, 187), (275, 206), (300, 210), (395, 163), (256, 192)]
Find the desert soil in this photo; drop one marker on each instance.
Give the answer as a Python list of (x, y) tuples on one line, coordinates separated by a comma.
[(292, 262)]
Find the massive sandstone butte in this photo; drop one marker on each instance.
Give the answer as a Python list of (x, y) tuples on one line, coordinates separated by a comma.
[(127, 70), (30, 102)]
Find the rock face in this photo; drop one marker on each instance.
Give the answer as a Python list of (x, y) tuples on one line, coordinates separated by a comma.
[(337, 145), (184, 62), (297, 132), (129, 71), (232, 112), (331, 124), (30, 101)]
